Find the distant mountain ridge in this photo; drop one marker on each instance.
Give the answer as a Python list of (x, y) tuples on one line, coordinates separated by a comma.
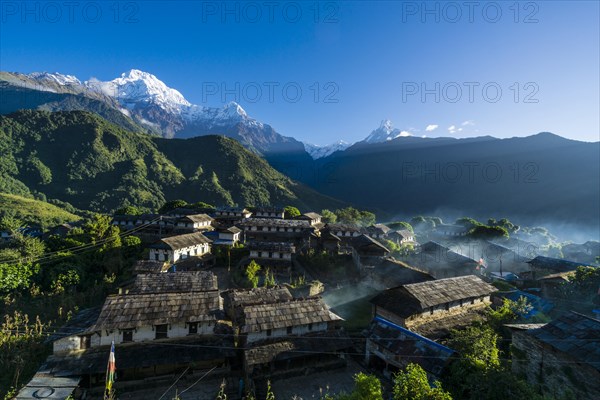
[(80, 158), (533, 178)]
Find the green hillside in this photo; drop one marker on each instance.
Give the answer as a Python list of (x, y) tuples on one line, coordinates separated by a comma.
[(82, 159), (34, 211)]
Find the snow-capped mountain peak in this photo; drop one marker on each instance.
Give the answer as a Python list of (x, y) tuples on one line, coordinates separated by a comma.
[(385, 132), (317, 152), (135, 86)]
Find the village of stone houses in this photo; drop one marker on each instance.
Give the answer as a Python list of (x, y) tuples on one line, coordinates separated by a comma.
[(271, 303)]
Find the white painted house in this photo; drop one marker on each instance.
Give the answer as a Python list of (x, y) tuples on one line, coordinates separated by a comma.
[(271, 250), (283, 319), (180, 247), (196, 222)]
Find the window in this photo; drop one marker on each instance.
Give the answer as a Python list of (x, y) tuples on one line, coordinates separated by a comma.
[(161, 331), (193, 328), (270, 254), (85, 342), (280, 255), (268, 332), (128, 335), (289, 330), (310, 327), (156, 256)]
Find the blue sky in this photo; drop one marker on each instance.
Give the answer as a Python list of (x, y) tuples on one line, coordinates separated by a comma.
[(356, 63)]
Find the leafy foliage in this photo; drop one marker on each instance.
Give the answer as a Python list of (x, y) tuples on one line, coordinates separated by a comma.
[(366, 387), (252, 273), (291, 212), (412, 384), (328, 216), (350, 215), (400, 225), (28, 211)]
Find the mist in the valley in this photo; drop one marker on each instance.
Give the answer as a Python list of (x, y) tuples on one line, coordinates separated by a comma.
[(562, 230)]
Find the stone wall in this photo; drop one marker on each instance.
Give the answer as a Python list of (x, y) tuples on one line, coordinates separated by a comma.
[(552, 372)]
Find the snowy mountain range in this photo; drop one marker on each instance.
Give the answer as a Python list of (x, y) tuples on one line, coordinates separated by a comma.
[(317, 152), (159, 109)]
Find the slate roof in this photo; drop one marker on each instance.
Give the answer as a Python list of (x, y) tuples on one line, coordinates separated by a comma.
[(274, 222), (190, 281), (148, 267), (366, 241), (377, 229), (135, 310), (310, 215), (300, 346), (197, 218), (232, 229), (260, 317), (81, 322), (278, 210), (574, 334), (181, 241), (409, 346), (261, 295), (393, 273), (555, 264), (405, 233), (414, 298), (238, 210), (271, 246), (344, 227)]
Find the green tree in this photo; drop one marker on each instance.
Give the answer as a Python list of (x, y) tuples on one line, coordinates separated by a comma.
[(468, 222), (128, 210), (269, 278), (328, 216), (171, 205), (400, 225), (100, 230), (367, 218), (252, 273), (366, 387), (291, 212), (477, 344), (10, 224), (412, 384), (488, 232), (16, 277)]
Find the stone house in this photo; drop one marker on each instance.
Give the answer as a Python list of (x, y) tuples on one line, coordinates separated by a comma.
[(154, 306), (561, 358), (312, 217), (181, 247), (377, 231), (344, 231), (432, 308), (276, 230), (268, 212), (441, 261), (195, 222), (277, 254)]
